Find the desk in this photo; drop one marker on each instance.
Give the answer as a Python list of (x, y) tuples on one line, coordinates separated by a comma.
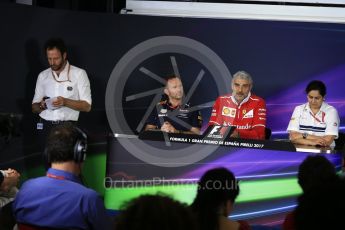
[(268, 175), (231, 142), (314, 149)]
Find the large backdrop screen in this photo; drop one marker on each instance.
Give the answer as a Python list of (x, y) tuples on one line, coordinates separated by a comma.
[(127, 56)]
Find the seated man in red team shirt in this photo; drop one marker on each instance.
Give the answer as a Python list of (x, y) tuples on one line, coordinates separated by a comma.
[(242, 109)]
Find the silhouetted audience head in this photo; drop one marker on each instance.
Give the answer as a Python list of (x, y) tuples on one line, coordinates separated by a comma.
[(315, 171), (321, 207), (155, 212), (215, 189)]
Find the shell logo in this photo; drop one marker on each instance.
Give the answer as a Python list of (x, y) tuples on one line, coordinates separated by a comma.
[(226, 110)]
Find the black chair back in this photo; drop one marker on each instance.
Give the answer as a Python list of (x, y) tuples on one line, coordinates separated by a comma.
[(340, 141), (268, 133)]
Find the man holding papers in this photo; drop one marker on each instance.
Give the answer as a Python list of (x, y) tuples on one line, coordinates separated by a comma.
[(62, 90)]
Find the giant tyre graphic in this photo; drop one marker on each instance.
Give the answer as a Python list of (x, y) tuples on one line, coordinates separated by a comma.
[(122, 72)]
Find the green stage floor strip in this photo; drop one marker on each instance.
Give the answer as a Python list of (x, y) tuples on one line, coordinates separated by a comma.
[(250, 191), (94, 172)]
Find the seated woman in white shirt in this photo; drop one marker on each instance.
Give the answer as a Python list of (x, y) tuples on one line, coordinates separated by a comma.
[(316, 122)]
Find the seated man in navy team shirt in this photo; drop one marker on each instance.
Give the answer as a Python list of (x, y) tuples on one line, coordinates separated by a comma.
[(172, 116), (59, 200)]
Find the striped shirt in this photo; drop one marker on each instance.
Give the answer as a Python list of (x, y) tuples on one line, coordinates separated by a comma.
[(325, 122)]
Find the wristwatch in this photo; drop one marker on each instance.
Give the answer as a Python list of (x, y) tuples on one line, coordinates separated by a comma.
[(304, 135)]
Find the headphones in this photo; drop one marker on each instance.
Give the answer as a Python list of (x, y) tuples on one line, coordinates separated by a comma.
[(79, 148)]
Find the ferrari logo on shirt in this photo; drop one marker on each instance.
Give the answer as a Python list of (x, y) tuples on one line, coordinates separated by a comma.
[(229, 112), (249, 114)]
